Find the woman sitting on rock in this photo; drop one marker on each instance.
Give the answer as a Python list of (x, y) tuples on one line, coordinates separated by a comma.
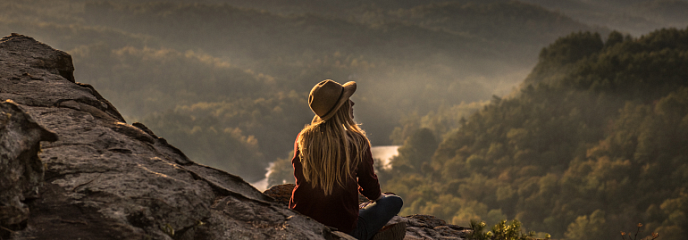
[(333, 163)]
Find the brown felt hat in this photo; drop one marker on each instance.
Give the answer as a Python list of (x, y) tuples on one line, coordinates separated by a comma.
[(328, 96)]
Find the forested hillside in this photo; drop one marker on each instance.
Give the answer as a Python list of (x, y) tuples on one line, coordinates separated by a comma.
[(590, 143), (594, 143), (226, 81)]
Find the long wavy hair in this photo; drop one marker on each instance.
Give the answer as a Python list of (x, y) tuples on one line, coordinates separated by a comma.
[(320, 145)]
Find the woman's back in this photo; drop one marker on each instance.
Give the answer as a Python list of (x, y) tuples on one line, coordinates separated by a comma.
[(333, 163), (340, 208)]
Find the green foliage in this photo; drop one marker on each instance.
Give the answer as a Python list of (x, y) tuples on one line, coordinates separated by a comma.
[(478, 231), (253, 68), (596, 133), (440, 122), (572, 159), (627, 235), (225, 148), (560, 57), (232, 134), (416, 152), (500, 231), (585, 226), (250, 65)]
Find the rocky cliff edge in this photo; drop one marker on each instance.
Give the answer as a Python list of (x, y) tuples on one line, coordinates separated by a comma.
[(72, 168)]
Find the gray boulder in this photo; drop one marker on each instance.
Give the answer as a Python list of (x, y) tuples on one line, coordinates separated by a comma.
[(72, 168)]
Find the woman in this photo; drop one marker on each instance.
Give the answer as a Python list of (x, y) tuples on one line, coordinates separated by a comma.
[(333, 163)]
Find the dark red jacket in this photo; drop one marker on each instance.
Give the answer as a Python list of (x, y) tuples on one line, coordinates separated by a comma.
[(339, 209)]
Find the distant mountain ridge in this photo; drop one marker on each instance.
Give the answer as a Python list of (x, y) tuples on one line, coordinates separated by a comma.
[(205, 73), (284, 53), (636, 17), (72, 168)]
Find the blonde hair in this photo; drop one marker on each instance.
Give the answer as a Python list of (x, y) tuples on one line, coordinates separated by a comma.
[(320, 145)]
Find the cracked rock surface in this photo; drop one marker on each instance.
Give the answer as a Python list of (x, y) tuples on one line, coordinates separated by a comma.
[(72, 168), (21, 172)]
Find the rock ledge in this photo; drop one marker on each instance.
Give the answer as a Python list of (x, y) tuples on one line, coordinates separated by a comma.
[(72, 168)]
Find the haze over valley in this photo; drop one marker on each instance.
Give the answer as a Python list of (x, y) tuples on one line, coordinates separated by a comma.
[(464, 87)]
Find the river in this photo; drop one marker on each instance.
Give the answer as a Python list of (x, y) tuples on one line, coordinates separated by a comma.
[(384, 153)]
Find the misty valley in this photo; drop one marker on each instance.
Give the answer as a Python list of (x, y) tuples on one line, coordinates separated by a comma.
[(569, 116)]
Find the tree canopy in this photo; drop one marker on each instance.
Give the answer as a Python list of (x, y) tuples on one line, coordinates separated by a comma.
[(594, 142)]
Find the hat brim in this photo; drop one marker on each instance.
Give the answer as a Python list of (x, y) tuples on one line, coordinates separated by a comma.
[(349, 89)]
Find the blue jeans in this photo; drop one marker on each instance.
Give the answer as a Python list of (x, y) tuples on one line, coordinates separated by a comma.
[(374, 216)]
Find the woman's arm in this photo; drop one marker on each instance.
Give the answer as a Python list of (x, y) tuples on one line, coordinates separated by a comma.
[(368, 184)]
